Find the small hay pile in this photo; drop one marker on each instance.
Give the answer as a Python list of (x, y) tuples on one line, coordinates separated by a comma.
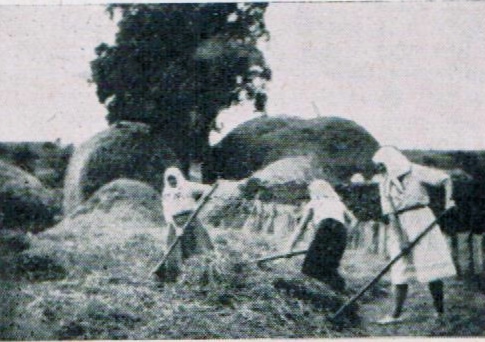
[(284, 181), (118, 232), (125, 150), (24, 202), (340, 147), (137, 194)]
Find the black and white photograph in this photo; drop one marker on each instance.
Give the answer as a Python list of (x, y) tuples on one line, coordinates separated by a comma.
[(242, 170)]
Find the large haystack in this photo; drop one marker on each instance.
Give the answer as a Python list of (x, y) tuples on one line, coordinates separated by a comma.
[(24, 202), (125, 150), (118, 232), (340, 147)]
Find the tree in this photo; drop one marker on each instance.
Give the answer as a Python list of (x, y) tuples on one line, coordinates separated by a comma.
[(176, 66)]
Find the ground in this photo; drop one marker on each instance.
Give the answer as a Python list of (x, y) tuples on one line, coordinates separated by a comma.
[(214, 299), (465, 303)]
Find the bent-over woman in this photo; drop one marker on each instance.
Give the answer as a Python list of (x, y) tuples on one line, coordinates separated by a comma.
[(404, 201), (329, 216), (179, 200)]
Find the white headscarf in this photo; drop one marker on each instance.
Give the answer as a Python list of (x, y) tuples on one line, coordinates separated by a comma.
[(175, 199), (179, 177), (325, 202), (396, 165)]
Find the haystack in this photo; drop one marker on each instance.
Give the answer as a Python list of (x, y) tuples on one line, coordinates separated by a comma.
[(139, 195), (118, 232), (24, 202), (125, 150), (340, 147)]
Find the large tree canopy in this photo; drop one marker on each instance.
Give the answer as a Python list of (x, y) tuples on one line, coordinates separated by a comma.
[(176, 66)]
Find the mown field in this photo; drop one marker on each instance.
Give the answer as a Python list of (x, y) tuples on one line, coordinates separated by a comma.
[(215, 298)]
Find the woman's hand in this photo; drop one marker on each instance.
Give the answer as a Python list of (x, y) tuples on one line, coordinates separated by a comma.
[(450, 204), (178, 231)]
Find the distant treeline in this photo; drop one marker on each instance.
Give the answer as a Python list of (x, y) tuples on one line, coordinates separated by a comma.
[(46, 160)]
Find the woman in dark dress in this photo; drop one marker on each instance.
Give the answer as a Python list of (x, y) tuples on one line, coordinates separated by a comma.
[(330, 218)]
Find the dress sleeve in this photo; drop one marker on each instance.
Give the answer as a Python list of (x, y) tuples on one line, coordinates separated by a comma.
[(431, 176)]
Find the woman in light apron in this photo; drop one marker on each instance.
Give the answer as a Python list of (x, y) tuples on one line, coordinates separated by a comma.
[(404, 201), (179, 200)]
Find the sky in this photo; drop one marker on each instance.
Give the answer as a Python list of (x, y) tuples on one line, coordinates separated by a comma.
[(411, 73)]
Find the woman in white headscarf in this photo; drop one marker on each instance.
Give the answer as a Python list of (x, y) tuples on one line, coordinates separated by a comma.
[(330, 217), (179, 200), (404, 201)]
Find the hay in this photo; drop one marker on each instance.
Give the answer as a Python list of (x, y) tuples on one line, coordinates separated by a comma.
[(340, 147), (214, 299), (138, 195), (125, 150), (219, 277), (226, 205), (24, 202), (120, 236)]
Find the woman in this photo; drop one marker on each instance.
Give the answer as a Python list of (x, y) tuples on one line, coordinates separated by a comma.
[(404, 202), (329, 216), (179, 200)]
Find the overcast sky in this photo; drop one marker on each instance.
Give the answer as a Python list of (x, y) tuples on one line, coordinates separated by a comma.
[(413, 74)]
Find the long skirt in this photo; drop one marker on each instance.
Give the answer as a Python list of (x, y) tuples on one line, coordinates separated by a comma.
[(325, 253), (195, 240), (430, 259)]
